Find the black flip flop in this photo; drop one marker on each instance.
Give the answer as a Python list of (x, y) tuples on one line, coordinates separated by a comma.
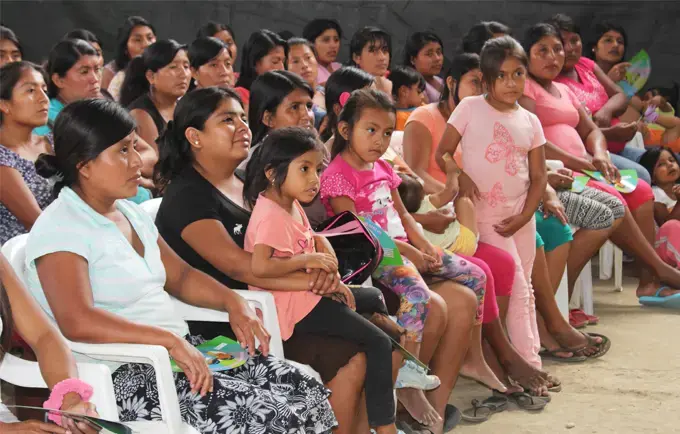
[(602, 348), (482, 411), (452, 417), (525, 401)]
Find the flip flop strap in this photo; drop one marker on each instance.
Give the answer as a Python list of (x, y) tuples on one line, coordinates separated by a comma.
[(658, 291)]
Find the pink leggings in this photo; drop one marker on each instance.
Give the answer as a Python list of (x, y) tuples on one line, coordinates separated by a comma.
[(667, 247), (499, 268)]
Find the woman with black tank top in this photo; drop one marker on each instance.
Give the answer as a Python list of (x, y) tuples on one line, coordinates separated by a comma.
[(153, 83), (204, 218)]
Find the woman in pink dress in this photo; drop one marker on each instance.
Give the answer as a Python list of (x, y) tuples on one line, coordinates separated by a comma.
[(602, 98), (573, 138)]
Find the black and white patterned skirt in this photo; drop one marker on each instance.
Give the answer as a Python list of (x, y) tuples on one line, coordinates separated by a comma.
[(265, 396)]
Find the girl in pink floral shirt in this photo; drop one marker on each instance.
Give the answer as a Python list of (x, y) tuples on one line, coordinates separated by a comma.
[(358, 181), (505, 172)]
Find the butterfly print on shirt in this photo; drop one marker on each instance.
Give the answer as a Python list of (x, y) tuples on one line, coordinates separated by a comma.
[(495, 196), (503, 148)]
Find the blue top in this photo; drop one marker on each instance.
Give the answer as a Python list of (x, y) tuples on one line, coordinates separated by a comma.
[(123, 282)]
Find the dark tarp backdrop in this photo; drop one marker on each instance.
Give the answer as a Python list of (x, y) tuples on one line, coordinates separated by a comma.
[(652, 25)]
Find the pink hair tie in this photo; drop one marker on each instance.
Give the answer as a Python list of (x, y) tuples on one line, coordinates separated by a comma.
[(343, 98), (61, 389)]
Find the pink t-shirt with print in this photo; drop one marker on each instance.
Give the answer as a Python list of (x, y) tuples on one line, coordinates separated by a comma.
[(495, 147), (272, 226), (370, 190)]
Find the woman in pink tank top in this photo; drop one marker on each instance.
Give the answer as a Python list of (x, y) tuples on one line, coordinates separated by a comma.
[(573, 138)]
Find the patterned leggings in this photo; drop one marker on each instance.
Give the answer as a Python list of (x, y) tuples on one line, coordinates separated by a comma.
[(590, 209), (408, 284)]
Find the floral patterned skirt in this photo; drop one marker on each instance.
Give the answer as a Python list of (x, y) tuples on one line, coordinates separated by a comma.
[(266, 395)]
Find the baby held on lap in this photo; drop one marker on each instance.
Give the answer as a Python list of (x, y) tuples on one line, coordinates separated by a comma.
[(460, 238)]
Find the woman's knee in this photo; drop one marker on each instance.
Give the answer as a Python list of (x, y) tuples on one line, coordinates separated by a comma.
[(438, 313), (460, 300)]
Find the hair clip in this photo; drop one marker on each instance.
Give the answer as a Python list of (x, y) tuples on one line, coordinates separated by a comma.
[(343, 98)]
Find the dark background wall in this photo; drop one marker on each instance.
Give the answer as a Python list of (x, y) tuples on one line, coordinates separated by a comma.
[(652, 25)]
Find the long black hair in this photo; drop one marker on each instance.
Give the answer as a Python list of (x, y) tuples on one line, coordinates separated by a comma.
[(460, 65), (211, 28), (317, 26), (599, 29), (156, 56), (8, 35), (83, 130), (192, 111), (359, 101), (62, 58), (416, 42), (85, 35), (258, 45), (537, 32), (122, 57), (494, 53), (205, 49), (649, 159), (369, 35), (202, 51), (474, 39), (276, 153), (345, 79), (405, 76), (10, 74), (267, 93)]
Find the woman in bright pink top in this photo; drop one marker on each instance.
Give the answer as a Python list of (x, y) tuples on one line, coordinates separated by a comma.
[(573, 138), (602, 98)]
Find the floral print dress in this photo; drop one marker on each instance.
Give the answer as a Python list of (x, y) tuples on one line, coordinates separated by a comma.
[(265, 396), (41, 188)]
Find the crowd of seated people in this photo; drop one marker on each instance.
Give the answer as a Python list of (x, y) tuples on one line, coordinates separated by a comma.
[(247, 166)]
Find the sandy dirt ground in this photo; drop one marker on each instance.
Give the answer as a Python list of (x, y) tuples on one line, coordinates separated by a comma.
[(635, 388)]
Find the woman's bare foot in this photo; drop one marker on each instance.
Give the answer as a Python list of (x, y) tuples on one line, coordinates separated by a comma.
[(650, 289), (521, 372), (478, 370), (668, 276), (572, 338), (415, 402)]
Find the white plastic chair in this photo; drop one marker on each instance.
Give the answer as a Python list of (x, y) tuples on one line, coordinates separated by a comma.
[(151, 207), (397, 143), (157, 356), (562, 296), (24, 373), (611, 257), (583, 288)]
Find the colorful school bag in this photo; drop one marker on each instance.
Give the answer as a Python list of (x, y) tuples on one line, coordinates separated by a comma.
[(357, 249)]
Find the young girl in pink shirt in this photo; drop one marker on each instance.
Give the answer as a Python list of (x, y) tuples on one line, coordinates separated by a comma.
[(502, 152), (283, 172), (358, 180)]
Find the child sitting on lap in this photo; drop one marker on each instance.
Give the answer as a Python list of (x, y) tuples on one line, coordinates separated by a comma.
[(460, 238)]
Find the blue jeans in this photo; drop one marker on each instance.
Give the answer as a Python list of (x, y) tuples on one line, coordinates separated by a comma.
[(632, 153), (622, 162)]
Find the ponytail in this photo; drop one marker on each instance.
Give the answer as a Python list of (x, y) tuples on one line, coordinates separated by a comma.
[(351, 113), (174, 155), (135, 83)]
